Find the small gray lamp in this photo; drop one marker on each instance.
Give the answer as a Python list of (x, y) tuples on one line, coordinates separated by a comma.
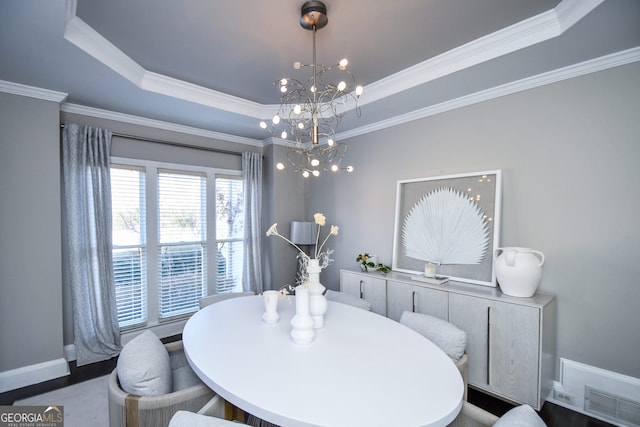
[(303, 232)]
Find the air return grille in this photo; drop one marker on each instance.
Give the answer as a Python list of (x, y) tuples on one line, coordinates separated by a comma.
[(610, 406)]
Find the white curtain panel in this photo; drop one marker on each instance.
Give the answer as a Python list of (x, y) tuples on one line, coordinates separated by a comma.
[(87, 216), (253, 234)]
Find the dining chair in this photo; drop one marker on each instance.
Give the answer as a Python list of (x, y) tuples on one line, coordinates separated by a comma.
[(345, 298), (210, 415), (212, 299), (450, 339), (520, 416), (190, 419), (151, 382)]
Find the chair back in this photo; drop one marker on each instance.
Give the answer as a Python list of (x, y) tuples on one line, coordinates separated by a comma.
[(450, 339), (344, 298), (212, 299)]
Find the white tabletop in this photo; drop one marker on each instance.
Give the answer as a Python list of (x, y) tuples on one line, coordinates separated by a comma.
[(362, 369)]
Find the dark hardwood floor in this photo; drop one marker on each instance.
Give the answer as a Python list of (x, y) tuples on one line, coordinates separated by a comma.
[(553, 415)]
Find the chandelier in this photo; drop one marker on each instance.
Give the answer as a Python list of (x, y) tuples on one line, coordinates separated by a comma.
[(311, 110)]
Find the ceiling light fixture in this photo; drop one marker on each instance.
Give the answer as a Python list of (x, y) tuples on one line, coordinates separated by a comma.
[(312, 109)]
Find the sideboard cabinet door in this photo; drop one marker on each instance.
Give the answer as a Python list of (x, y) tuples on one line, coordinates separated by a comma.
[(405, 297), (503, 345), (366, 286)]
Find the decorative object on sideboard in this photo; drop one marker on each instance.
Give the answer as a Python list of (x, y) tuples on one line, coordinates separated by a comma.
[(434, 280), (370, 263), (518, 270), (312, 108), (430, 270), (452, 222), (304, 233)]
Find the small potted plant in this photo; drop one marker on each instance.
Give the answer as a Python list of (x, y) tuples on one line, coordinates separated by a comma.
[(370, 262)]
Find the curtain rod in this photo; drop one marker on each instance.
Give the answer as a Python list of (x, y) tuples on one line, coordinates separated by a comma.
[(172, 143)]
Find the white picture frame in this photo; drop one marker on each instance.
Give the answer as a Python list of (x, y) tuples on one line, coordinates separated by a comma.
[(482, 191)]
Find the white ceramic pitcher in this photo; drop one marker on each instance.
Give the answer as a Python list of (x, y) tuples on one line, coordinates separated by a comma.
[(518, 270)]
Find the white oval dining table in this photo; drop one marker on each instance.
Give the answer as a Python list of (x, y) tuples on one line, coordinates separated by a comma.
[(362, 369)]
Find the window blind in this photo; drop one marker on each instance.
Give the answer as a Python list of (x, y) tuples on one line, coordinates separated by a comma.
[(182, 245), (229, 233), (129, 244)]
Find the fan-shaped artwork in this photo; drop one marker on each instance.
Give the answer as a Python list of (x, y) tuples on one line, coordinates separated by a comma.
[(445, 227)]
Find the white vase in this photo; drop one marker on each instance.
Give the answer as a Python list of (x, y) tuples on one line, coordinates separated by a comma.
[(317, 300), (302, 323), (518, 271), (270, 299)]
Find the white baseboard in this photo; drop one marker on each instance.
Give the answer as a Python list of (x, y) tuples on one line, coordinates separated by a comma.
[(577, 378), (70, 352), (33, 374)]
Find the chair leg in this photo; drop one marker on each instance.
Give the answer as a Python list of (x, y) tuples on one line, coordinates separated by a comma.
[(131, 410), (232, 412)]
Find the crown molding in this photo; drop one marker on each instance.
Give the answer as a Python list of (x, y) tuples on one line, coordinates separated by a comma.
[(180, 89), (518, 36), (523, 34), (32, 92), (576, 70), (571, 11), (157, 124), (272, 140), (93, 43), (90, 41)]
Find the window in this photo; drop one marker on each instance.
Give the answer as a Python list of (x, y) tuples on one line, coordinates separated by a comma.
[(129, 248), (165, 219), (230, 234), (182, 247)]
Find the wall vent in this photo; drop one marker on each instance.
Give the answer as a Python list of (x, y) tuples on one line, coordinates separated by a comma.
[(612, 407)]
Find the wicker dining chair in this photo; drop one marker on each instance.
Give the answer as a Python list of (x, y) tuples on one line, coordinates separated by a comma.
[(449, 338), (345, 298), (520, 416), (157, 387), (212, 299)]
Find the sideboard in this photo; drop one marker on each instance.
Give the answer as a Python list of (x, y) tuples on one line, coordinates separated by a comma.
[(510, 341)]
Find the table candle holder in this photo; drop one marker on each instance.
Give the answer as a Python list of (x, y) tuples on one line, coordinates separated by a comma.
[(302, 324), (270, 299), (317, 300)]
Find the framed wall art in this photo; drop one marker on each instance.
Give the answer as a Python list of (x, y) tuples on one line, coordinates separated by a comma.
[(452, 221)]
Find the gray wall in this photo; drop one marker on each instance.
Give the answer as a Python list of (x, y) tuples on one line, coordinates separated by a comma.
[(283, 201), (570, 156), (30, 237), (569, 152)]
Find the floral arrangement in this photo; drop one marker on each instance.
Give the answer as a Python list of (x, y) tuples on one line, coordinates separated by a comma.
[(366, 264), (324, 258)]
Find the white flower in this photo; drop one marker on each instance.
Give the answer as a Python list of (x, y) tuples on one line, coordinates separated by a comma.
[(334, 230), (273, 229), (320, 219)]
